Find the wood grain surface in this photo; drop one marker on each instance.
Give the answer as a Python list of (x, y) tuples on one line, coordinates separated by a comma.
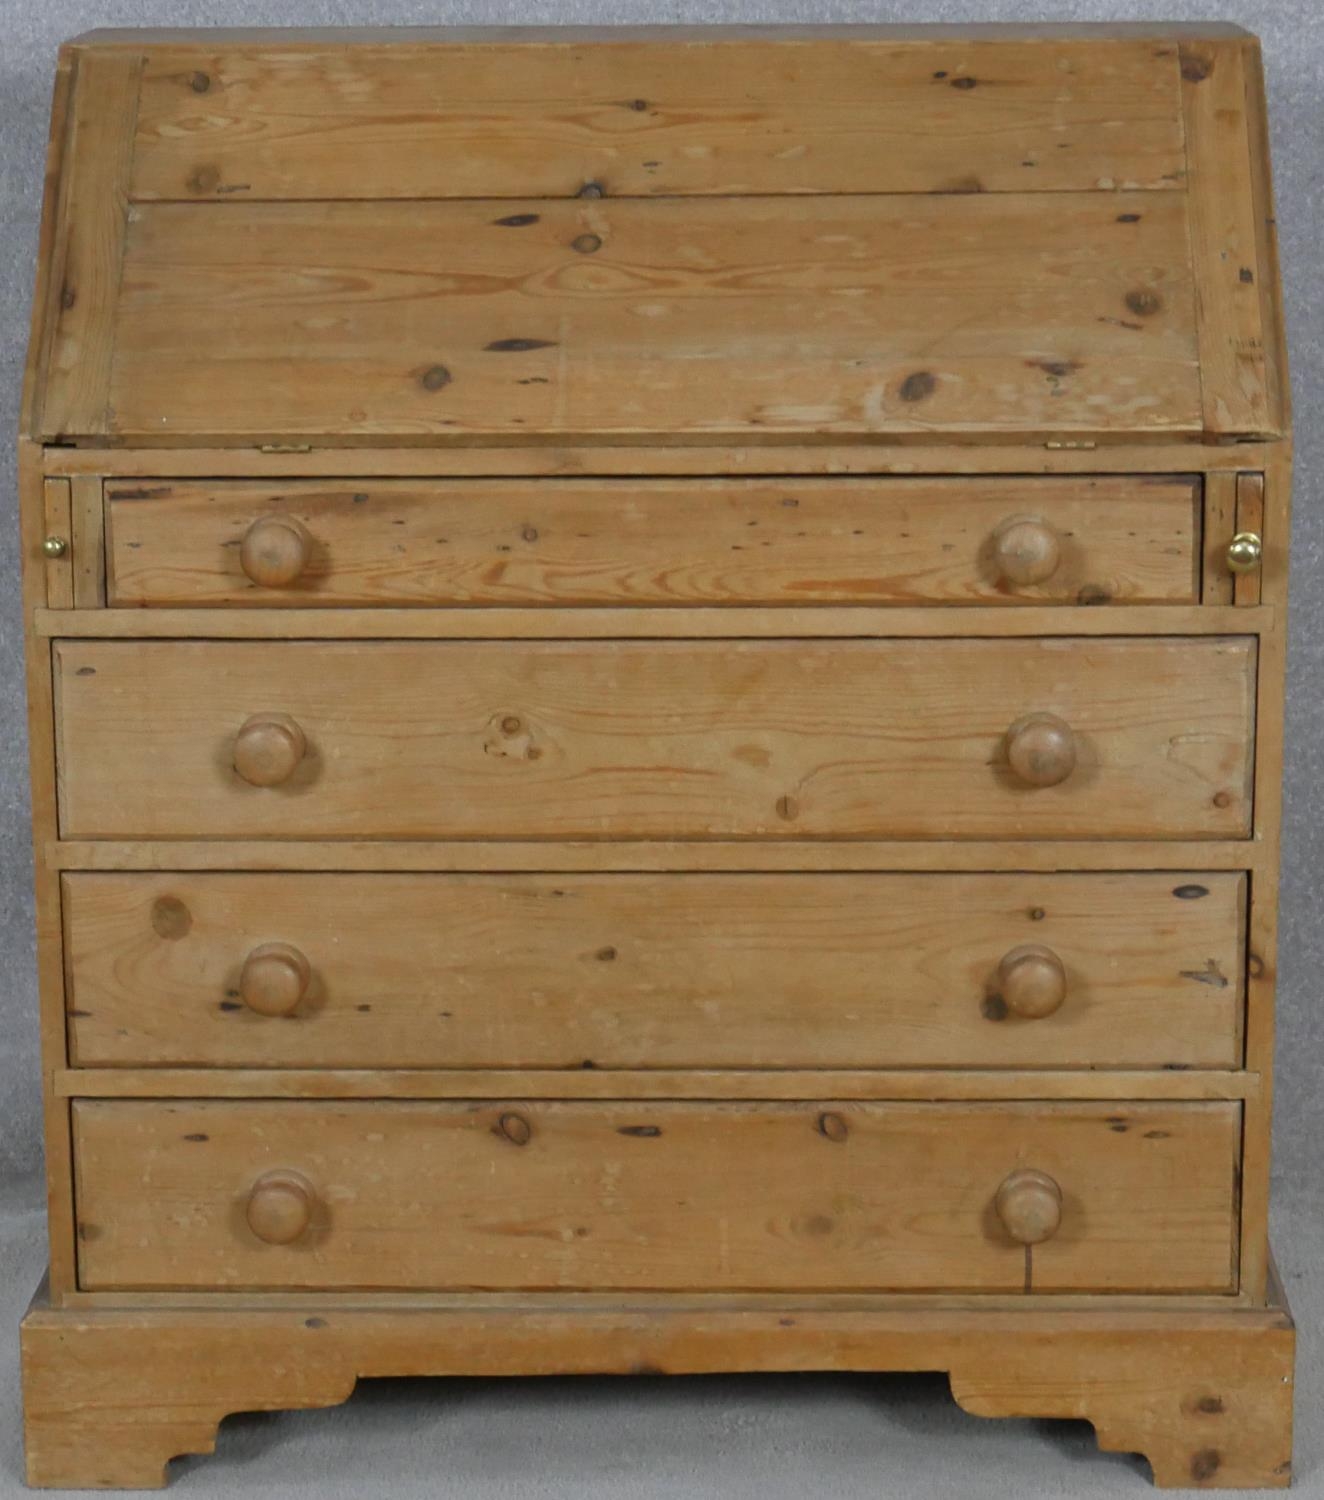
[(672, 318), (529, 1194), (656, 739), (650, 969), (1240, 355), (662, 971), (110, 1395), (705, 115), (654, 542), (75, 345), (922, 1085)]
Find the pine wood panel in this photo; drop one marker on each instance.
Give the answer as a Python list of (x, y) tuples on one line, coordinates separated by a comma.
[(566, 1195), (650, 622), (656, 739), (1248, 587), (89, 525), (1271, 494), (57, 1145), (1239, 345), (751, 318), (920, 1084), (542, 119), (110, 1395), (941, 458), (672, 971), (59, 580), (88, 255), (633, 856), (50, 253), (1277, 388), (915, 1305), (651, 542), (1220, 524)]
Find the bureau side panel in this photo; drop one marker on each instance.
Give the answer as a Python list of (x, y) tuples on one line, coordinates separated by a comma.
[(1262, 948), (1239, 323), (82, 301)]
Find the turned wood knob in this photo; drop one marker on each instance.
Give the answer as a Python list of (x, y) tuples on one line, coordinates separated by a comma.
[(274, 979), (275, 551), (268, 749), (1041, 750), (1029, 1203), (280, 1207), (1032, 980), (1026, 550)]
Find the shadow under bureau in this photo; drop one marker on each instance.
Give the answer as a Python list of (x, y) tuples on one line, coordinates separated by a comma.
[(656, 669)]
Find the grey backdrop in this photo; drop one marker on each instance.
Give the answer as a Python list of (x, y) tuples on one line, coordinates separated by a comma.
[(769, 1436)]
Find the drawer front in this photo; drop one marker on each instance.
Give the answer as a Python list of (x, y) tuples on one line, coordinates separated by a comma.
[(1090, 737), (658, 971), (662, 1196), (655, 542)]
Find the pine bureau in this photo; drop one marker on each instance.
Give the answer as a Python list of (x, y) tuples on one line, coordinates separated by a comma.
[(656, 667)]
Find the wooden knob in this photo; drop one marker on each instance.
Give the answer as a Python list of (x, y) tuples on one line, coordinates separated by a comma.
[(1032, 980), (1029, 1203), (1041, 750), (275, 551), (274, 979), (1026, 550), (268, 749), (1245, 552), (280, 1207)]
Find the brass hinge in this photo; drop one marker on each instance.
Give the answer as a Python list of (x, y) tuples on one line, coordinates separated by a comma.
[(284, 447)]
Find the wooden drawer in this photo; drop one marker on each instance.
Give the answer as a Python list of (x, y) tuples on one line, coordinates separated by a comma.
[(608, 1196), (655, 542), (657, 971), (881, 738)]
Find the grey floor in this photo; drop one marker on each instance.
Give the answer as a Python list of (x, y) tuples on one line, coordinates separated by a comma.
[(828, 1437)]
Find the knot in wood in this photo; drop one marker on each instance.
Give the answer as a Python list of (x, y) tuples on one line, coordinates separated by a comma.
[(514, 1128), (832, 1127)]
